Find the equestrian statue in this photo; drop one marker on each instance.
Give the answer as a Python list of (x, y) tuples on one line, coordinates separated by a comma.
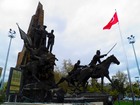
[(80, 74)]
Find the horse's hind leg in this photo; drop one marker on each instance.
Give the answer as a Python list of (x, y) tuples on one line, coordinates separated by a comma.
[(61, 80), (84, 85), (72, 82)]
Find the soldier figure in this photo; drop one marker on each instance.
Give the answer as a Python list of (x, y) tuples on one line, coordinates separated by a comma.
[(76, 70), (96, 59), (37, 37), (50, 41), (44, 35)]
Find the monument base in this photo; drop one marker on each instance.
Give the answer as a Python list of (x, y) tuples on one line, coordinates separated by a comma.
[(88, 97), (14, 103), (82, 98)]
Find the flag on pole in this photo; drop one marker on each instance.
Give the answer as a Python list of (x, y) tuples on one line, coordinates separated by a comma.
[(24, 36), (113, 21)]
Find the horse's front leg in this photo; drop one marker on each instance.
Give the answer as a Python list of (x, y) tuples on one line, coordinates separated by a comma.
[(109, 78), (102, 83), (113, 85)]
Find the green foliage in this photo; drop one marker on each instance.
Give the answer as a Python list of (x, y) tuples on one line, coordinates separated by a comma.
[(2, 96), (119, 80), (114, 93), (122, 77), (58, 75), (136, 90), (127, 103), (94, 87), (67, 66), (3, 93)]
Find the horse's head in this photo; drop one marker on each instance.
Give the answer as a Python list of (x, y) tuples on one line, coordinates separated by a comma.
[(114, 59)]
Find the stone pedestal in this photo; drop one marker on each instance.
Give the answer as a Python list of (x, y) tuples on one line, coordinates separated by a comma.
[(92, 103), (83, 98), (103, 98)]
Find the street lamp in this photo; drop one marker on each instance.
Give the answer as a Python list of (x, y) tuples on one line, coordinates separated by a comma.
[(11, 34), (132, 41)]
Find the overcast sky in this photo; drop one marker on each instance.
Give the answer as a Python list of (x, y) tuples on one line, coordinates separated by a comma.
[(78, 26)]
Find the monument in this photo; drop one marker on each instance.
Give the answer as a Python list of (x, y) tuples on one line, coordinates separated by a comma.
[(36, 61), (32, 80)]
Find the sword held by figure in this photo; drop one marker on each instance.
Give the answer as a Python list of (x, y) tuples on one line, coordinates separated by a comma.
[(111, 48)]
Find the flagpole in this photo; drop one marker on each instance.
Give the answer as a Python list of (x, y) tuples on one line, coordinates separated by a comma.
[(126, 62)]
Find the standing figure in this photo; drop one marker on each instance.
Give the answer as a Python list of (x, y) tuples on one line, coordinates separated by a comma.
[(37, 37), (44, 35), (96, 59), (50, 41)]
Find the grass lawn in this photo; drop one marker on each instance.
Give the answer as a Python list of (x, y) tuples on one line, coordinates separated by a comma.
[(127, 103)]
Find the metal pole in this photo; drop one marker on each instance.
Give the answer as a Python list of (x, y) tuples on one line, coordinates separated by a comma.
[(11, 32), (138, 81), (136, 59), (132, 41), (127, 65)]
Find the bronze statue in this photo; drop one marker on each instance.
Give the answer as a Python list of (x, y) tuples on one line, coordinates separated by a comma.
[(88, 72), (72, 75), (76, 70), (50, 40), (96, 58), (44, 35), (36, 60), (37, 37), (102, 72)]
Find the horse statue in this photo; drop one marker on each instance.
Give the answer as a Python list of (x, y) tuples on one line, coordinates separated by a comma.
[(68, 79), (88, 72), (100, 72)]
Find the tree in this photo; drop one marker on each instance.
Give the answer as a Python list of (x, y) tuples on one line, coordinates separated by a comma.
[(3, 93), (94, 86), (122, 77), (119, 80), (67, 66)]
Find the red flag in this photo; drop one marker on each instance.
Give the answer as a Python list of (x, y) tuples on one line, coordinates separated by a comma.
[(113, 21)]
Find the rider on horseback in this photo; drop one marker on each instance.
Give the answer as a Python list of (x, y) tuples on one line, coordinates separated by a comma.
[(96, 59), (76, 70)]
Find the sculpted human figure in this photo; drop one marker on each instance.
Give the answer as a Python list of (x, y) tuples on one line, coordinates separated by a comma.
[(44, 35), (50, 41), (96, 59), (76, 70), (41, 64), (76, 66), (37, 37)]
